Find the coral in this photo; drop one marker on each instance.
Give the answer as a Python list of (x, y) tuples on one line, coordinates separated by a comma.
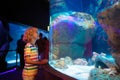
[(60, 64), (80, 61), (103, 74)]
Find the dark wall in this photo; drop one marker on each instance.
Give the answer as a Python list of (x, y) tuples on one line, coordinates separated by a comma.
[(30, 12)]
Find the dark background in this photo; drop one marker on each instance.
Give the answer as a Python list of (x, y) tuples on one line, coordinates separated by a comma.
[(29, 12)]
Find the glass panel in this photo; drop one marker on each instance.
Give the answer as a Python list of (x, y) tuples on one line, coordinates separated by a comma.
[(76, 37)]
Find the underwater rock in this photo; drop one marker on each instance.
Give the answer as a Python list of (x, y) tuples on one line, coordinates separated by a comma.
[(60, 64), (68, 60), (110, 21), (103, 74), (71, 33), (103, 61), (80, 61)]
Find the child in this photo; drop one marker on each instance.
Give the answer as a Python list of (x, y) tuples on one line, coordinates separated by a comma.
[(31, 54)]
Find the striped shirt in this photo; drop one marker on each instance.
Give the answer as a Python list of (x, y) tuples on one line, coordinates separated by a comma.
[(31, 52)]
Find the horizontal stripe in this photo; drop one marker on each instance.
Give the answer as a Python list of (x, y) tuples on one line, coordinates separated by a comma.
[(34, 58), (29, 72), (31, 68), (30, 65)]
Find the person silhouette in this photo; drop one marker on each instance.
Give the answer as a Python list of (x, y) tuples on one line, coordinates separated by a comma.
[(40, 43), (46, 48), (20, 50)]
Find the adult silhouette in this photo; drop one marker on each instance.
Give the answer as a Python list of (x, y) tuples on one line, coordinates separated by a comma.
[(20, 50), (46, 48), (40, 43)]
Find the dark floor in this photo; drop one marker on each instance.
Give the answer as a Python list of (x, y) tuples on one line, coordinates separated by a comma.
[(12, 74), (16, 74)]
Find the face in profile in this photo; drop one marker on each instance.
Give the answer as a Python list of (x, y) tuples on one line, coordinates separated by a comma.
[(36, 36)]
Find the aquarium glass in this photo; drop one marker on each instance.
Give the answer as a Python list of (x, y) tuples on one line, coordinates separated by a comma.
[(76, 36)]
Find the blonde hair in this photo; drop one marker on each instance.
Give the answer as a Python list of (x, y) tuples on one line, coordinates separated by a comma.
[(29, 33)]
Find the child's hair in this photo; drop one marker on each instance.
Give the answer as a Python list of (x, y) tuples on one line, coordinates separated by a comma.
[(28, 35)]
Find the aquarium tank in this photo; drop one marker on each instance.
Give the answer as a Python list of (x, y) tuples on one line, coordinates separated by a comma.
[(77, 39)]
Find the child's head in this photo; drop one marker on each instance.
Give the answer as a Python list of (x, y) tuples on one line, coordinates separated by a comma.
[(30, 34)]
